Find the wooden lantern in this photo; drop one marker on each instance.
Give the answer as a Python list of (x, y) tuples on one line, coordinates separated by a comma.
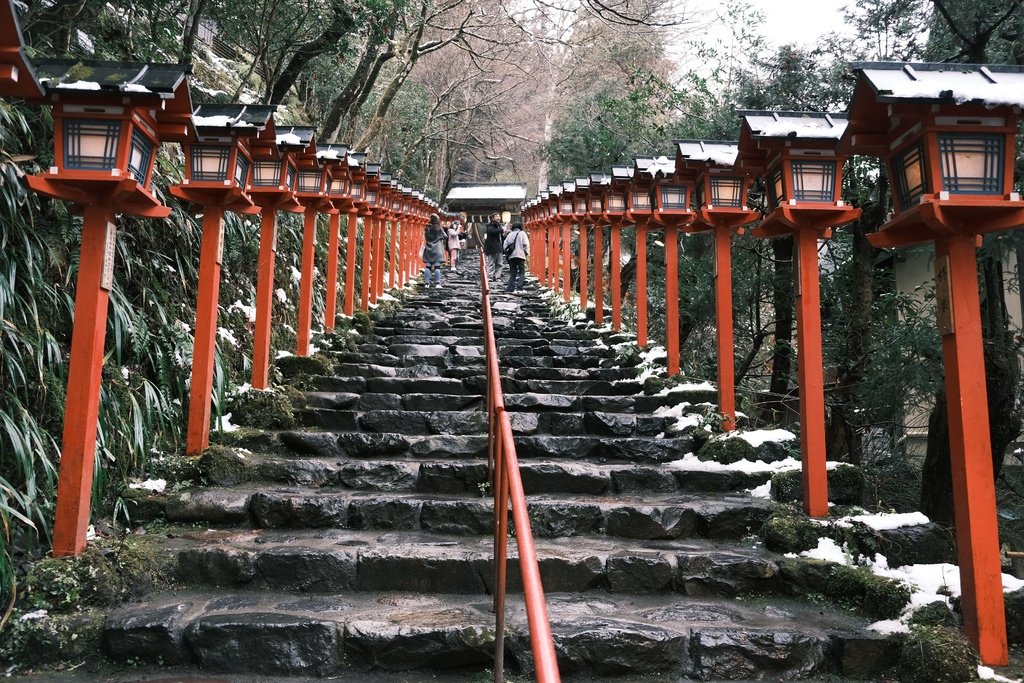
[(947, 134)]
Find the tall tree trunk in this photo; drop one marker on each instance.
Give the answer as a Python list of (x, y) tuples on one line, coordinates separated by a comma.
[(192, 23), (936, 474), (343, 23), (783, 302)]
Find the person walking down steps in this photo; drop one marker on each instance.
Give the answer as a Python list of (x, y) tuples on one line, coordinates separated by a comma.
[(517, 250), (493, 238), (433, 252)]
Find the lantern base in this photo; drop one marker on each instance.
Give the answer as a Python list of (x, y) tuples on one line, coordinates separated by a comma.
[(272, 197), (675, 219), (83, 188), (229, 198), (728, 217), (935, 219), (789, 219)]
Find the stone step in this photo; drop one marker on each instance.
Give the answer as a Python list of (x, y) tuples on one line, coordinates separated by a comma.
[(633, 450), (570, 402), (378, 401), (403, 472), (647, 516), (388, 383), (507, 362), (408, 422), (447, 415), (335, 561), (595, 633)]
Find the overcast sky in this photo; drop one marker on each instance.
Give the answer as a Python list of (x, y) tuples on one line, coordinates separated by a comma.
[(801, 21)]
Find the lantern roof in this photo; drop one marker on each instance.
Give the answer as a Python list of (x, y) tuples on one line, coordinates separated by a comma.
[(992, 85), (654, 167), (554, 190), (544, 194), (486, 192), (302, 137), (372, 170), (123, 79), (332, 151), (622, 173), (794, 124), (385, 178), (568, 186), (600, 179), (583, 183), (21, 80), (356, 159), (714, 152), (240, 119)]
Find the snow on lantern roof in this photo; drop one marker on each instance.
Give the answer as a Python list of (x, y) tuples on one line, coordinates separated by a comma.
[(655, 166), (554, 190), (582, 183), (992, 85), (795, 124), (332, 151), (487, 191), (600, 179), (233, 116), (356, 159), (111, 78), (568, 186), (296, 136), (715, 152)]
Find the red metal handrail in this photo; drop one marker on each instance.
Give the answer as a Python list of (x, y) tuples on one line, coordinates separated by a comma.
[(507, 486)]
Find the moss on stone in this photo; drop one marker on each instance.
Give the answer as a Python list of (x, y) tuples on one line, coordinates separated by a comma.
[(933, 614), (51, 639), (727, 450), (937, 654), (143, 506), (362, 322), (877, 596), (845, 485), (225, 466), (270, 409), (294, 366), (790, 532), (108, 572)]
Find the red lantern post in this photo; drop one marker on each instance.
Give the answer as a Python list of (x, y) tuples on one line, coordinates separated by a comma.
[(217, 179), (109, 119), (355, 189), (615, 212), (596, 211), (273, 189), (671, 193), (804, 179), (721, 203), (311, 192), (948, 136), (371, 193), (580, 201), (336, 157)]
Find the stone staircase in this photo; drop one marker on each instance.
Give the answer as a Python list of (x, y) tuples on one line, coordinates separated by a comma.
[(360, 540)]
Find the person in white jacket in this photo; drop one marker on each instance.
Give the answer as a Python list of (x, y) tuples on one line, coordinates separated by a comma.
[(517, 250)]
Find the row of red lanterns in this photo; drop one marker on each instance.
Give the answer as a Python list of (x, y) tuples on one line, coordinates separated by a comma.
[(109, 120), (946, 136)]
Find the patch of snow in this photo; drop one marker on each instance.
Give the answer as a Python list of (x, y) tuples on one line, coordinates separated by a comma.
[(756, 437), (282, 295), (32, 616), (762, 491), (79, 85), (224, 423), (227, 336), (124, 372), (195, 85), (243, 389), (248, 311), (829, 551), (135, 87), (296, 274), (288, 139), (984, 673), (155, 485), (701, 386), (690, 463), (284, 354), (889, 626), (886, 521), (90, 533)]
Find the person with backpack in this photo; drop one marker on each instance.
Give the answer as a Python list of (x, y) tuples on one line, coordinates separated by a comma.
[(433, 252), (493, 238), (517, 250)]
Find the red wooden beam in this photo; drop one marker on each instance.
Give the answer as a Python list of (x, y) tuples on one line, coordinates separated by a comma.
[(724, 327), (616, 284), (264, 297), (672, 298), (598, 274), (331, 301), (78, 450), (351, 228), (306, 281), (641, 283)]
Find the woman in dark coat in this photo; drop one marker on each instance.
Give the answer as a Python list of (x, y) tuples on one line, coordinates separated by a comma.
[(433, 252), (494, 236)]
